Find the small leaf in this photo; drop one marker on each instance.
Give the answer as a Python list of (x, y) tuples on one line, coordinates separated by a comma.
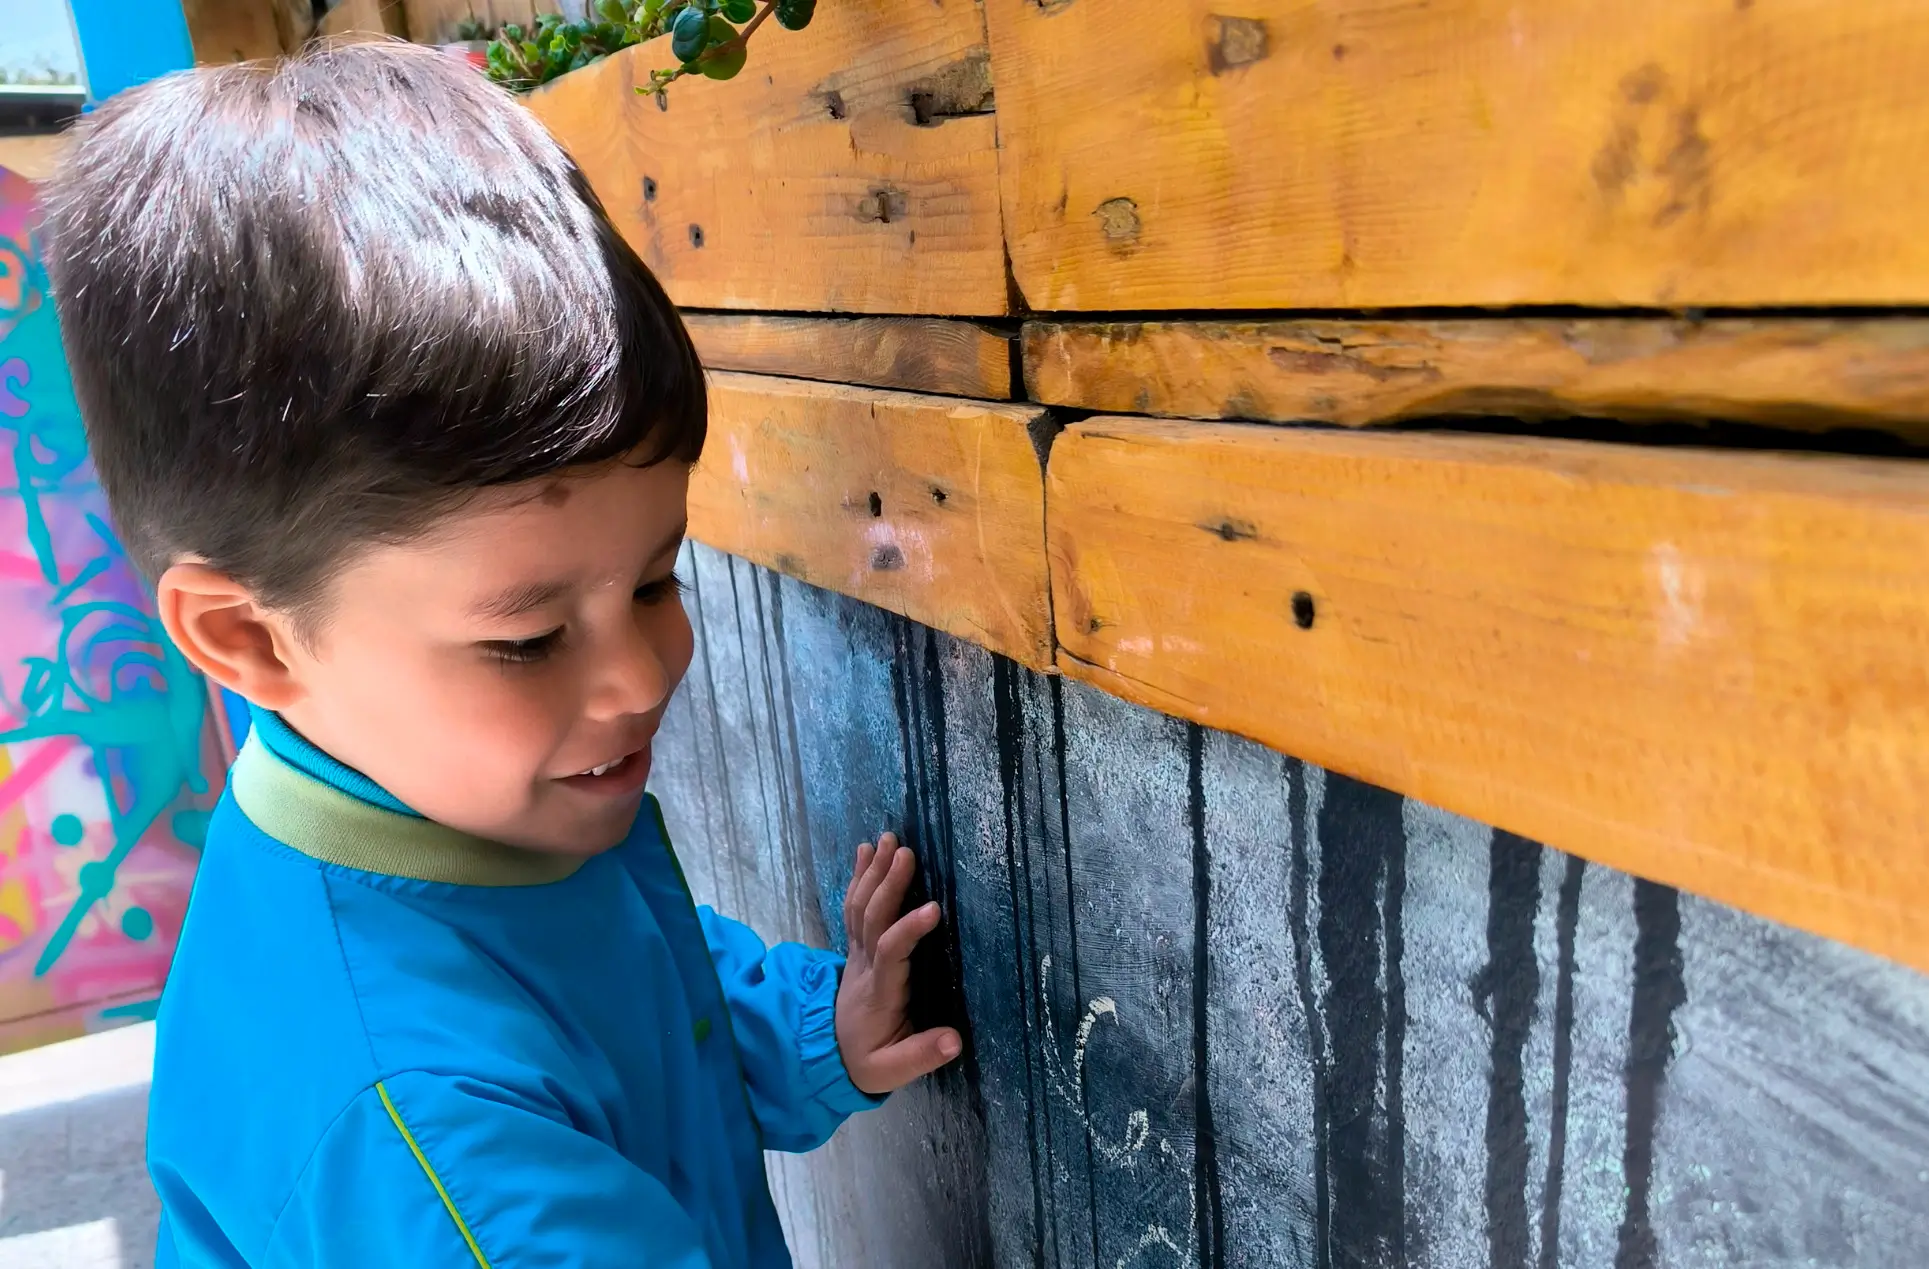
[(690, 35), (727, 53)]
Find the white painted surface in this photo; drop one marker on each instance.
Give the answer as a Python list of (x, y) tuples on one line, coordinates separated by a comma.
[(74, 1192)]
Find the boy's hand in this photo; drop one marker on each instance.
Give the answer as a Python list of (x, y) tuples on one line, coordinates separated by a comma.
[(873, 1034)]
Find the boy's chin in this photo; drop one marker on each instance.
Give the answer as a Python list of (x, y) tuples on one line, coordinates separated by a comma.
[(574, 830)]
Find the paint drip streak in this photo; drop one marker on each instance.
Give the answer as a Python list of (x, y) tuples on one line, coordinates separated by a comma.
[(1037, 879), (1505, 993), (1394, 1149), (1009, 722), (1071, 918), (1659, 989), (763, 778), (1360, 829), (1567, 921), (1299, 829), (1205, 1171)]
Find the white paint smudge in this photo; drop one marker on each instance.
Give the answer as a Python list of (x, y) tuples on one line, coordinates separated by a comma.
[(1683, 590), (1125, 1152)]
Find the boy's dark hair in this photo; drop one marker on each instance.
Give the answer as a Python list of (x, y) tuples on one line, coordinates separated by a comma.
[(312, 305)]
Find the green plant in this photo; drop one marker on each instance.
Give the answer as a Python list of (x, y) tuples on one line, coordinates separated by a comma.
[(707, 37)]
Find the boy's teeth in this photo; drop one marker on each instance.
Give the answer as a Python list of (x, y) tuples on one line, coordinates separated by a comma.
[(602, 770)]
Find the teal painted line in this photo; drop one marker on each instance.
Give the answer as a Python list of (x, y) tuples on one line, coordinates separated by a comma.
[(138, 1010)]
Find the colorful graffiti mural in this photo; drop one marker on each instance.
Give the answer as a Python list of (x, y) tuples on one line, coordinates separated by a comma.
[(110, 755)]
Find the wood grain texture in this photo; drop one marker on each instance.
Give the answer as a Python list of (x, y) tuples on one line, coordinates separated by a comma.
[(916, 354), (1711, 670), (433, 21), (1360, 154), (931, 508), (807, 183), (232, 30), (33, 157), (365, 19), (1808, 373)]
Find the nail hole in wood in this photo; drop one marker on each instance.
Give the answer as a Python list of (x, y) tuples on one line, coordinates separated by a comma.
[(649, 189), (877, 505), (1303, 610), (696, 235), (938, 495)]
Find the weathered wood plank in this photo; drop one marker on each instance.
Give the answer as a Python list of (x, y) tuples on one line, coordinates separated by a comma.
[(1707, 669), (1807, 373), (365, 19), (33, 157), (433, 21), (232, 30), (929, 507), (1360, 154), (916, 354), (808, 182)]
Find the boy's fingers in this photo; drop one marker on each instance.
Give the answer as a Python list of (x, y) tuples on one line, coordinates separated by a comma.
[(852, 909), (874, 874), (887, 901), (895, 944), (915, 1058)]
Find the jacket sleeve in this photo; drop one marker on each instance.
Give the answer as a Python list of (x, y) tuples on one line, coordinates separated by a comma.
[(783, 1013), (436, 1172)]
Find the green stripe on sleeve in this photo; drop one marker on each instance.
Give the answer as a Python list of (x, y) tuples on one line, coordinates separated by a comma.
[(428, 1171)]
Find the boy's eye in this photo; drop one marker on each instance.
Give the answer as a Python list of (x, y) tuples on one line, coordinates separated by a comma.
[(524, 651), (659, 590)]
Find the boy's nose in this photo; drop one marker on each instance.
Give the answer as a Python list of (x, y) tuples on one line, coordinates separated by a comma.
[(631, 680)]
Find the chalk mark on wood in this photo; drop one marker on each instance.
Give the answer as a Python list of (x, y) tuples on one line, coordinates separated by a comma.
[(1125, 1152)]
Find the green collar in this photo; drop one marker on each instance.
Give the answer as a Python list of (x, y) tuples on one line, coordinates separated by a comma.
[(324, 823)]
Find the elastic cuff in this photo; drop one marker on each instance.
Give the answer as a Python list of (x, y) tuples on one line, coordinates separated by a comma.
[(825, 1080)]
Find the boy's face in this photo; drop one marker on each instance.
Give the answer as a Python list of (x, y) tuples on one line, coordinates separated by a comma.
[(482, 673)]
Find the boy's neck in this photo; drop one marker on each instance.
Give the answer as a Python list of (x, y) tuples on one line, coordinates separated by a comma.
[(311, 760)]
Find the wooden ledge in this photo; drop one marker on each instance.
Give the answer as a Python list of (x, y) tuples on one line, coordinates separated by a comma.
[(933, 508), (917, 354), (808, 183), (1354, 154), (1710, 669), (1812, 374)]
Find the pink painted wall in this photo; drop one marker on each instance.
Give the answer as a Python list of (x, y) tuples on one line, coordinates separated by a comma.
[(111, 755)]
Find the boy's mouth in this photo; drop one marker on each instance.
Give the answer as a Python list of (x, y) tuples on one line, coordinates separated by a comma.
[(622, 775)]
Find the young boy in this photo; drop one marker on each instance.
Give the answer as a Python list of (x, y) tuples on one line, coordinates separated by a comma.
[(402, 430)]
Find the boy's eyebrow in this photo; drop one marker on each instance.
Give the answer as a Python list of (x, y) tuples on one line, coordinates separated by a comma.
[(528, 596), (672, 541), (518, 600)]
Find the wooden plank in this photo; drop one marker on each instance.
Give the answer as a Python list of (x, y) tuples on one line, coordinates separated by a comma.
[(807, 183), (232, 30), (916, 354), (932, 508), (33, 157), (1361, 154), (435, 21), (1710, 669), (365, 19), (1809, 373)]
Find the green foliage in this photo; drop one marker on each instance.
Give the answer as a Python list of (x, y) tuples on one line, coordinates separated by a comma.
[(795, 15), (707, 37)]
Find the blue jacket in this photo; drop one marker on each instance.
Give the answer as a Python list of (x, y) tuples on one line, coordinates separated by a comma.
[(385, 1043)]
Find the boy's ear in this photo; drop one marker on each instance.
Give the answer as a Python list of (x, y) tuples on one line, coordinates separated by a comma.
[(224, 632)]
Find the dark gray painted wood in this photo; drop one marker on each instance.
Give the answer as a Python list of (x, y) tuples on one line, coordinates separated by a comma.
[(1226, 1009)]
